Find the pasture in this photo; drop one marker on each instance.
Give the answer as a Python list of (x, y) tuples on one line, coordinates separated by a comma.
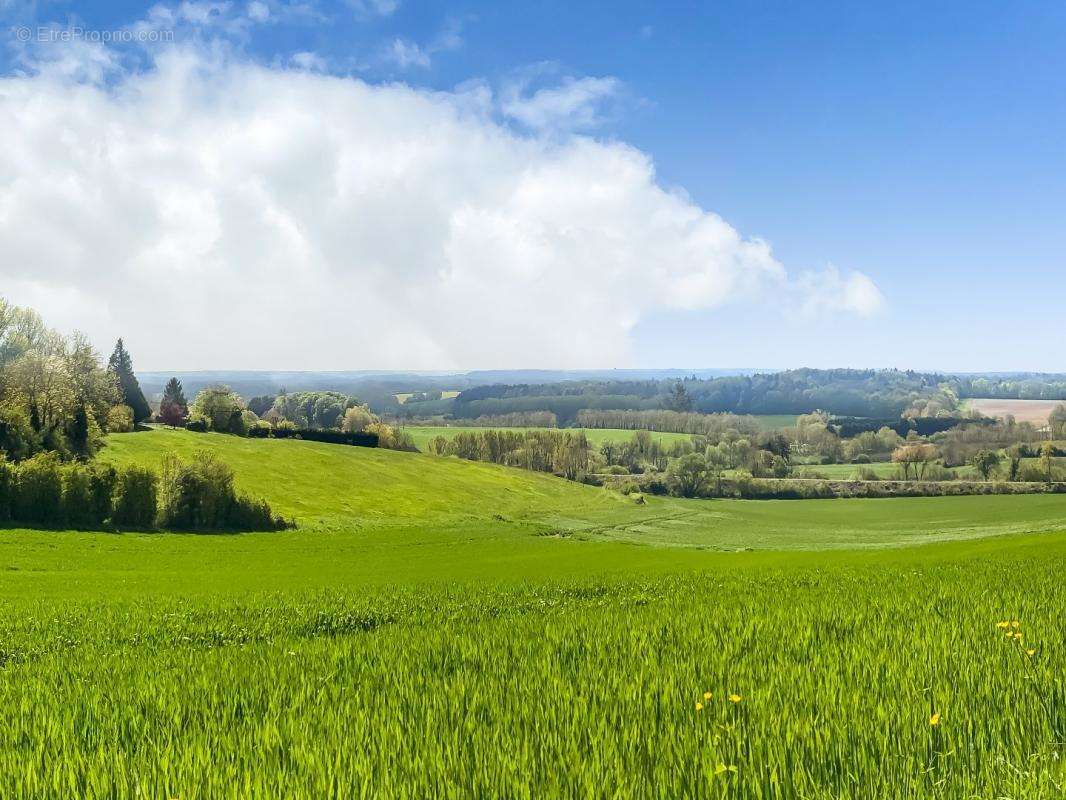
[(439, 628)]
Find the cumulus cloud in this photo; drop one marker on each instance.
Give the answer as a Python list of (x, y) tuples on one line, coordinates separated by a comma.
[(218, 213)]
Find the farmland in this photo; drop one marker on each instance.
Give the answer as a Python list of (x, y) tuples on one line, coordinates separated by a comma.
[(1035, 411), (523, 645)]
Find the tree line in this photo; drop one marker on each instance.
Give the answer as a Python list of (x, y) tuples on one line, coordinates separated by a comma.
[(196, 495)]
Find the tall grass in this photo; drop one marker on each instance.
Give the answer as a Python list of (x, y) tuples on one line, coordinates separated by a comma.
[(583, 688)]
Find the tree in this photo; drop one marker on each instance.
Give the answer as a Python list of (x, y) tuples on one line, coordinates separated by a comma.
[(914, 458), (173, 408), (121, 366), (986, 462), (220, 407), (1057, 421), (1046, 461), (687, 475), (357, 419), (679, 399)]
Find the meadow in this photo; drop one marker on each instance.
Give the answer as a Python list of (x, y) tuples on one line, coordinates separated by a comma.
[(439, 628)]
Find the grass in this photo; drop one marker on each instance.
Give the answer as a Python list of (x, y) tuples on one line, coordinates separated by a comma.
[(433, 650)]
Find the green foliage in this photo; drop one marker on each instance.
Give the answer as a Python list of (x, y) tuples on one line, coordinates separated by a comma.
[(200, 495), (120, 419), (7, 489), (136, 503), (313, 409), (220, 409), (986, 462), (687, 476), (121, 366), (39, 490)]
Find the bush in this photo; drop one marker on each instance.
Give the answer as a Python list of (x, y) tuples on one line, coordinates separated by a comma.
[(136, 498), (78, 499), (102, 481), (260, 429), (7, 488), (861, 458), (199, 495), (196, 424), (120, 419), (39, 490)]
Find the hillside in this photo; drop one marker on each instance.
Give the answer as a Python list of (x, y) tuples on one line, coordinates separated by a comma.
[(361, 490)]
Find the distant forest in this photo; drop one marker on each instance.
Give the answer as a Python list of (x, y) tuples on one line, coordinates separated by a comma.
[(843, 392)]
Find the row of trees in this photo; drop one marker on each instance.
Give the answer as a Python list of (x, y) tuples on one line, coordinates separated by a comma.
[(564, 453), (185, 495), (219, 409)]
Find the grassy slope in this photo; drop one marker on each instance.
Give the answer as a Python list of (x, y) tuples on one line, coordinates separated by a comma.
[(438, 651)]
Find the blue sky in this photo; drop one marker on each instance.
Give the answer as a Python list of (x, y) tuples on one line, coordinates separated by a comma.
[(918, 144)]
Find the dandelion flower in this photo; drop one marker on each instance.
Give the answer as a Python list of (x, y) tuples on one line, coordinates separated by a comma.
[(706, 695), (735, 698), (699, 706), (934, 720), (1017, 636), (1003, 625), (1016, 624), (1031, 652)]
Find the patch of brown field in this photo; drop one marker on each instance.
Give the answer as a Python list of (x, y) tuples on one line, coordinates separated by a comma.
[(1035, 411)]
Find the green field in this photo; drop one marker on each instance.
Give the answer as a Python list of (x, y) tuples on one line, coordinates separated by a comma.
[(440, 628)]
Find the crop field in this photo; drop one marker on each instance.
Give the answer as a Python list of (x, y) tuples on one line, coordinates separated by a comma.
[(439, 628), (1035, 411)]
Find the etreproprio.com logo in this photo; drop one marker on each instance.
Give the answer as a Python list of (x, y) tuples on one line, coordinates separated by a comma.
[(53, 35)]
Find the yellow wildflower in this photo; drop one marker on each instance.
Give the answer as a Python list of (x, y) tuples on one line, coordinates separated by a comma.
[(1016, 624), (1031, 652), (735, 698), (706, 695), (1003, 625), (935, 719), (699, 706), (1017, 636)]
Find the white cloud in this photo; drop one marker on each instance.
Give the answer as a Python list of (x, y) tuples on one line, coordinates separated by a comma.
[(222, 214), (309, 61), (830, 292), (258, 11), (377, 8), (405, 53), (574, 104)]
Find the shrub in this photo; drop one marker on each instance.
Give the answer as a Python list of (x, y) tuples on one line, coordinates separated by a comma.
[(78, 497), (7, 488), (260, 429), (199, 495), (196, 424), (39, 490), (861, 458), (102, 481), (17, 437), (136, 503), (120, 419)]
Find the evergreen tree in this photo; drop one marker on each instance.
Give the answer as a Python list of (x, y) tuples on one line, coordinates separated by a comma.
[(173, 408), (121, 366)]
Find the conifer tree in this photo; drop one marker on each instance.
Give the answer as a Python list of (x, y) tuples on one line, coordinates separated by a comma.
[(173, 408), (121, 366)]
